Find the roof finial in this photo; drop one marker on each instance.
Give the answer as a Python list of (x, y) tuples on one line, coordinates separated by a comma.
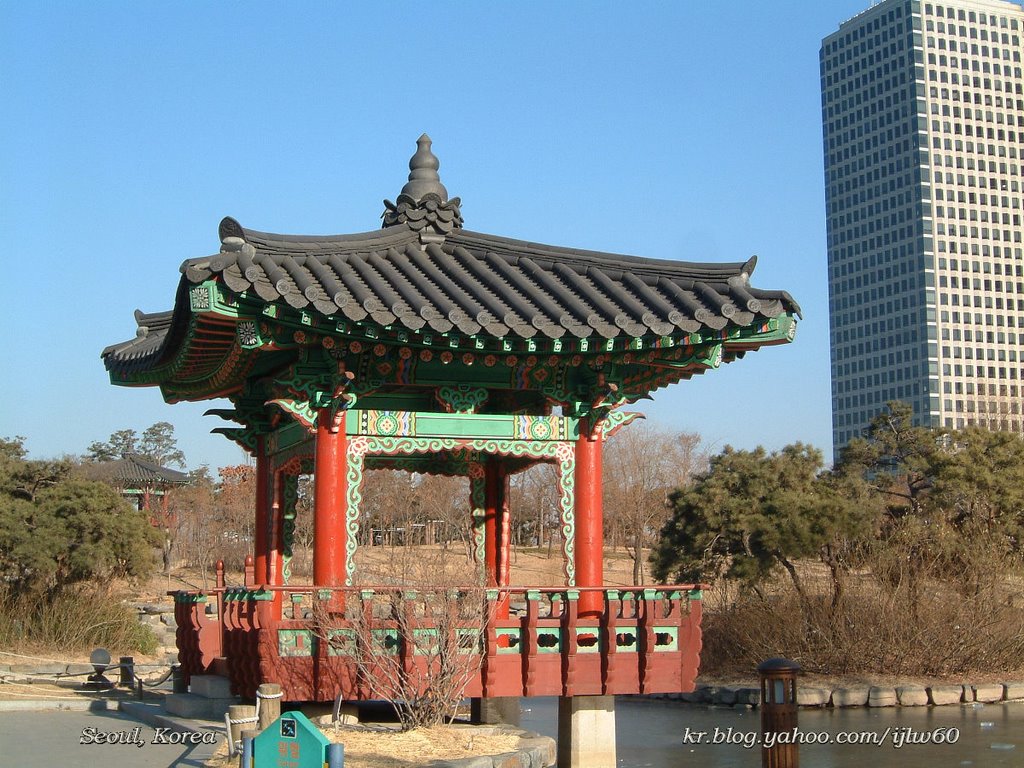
[(423, 176), (423, 203)]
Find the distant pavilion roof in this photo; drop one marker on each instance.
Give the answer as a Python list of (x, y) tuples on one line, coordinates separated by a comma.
[(423, 282), (131, 470)]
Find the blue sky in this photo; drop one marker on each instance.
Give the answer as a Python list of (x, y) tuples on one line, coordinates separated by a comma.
[(686, 130)]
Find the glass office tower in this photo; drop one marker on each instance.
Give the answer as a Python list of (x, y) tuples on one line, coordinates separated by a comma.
[(923, 130)]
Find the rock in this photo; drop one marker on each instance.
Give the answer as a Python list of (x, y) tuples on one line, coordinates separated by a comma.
[(988, 693), (881, 697), (508, 760), (1012, 691), (168, 619), (724, 696), (541, 750), (701, 695), (912, 695), (850, 697), (750, 697), (940, 695), (812, 697), (465, 762)]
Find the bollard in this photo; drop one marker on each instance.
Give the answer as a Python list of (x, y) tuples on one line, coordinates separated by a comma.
[(335, 756), (178, 684), (239, 718), (127, 672), (778, 713), (245, 758), (268, 704)]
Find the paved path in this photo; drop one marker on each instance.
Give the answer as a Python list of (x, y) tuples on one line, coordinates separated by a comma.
[(49, 738)]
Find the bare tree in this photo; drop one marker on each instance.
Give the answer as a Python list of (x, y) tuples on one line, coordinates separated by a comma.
[(418, 640), (534, 505), (642, 465)]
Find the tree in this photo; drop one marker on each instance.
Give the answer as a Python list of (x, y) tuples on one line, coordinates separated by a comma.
[(191, 507), (157, 445), (121, 442), (954, 501), (752, 512), (417, 643), (233, 516), (23, 479), (160, 446), (57, 530), (642, 466), (534, 504)]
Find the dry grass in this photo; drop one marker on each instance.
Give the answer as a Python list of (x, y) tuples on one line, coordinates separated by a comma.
[(874, 634), (73, 621)]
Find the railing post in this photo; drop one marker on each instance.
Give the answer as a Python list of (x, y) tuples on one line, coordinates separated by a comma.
[(268, 697), (127, 665)]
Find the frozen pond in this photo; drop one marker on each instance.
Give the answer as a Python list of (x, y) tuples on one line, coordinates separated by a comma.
[(651, 734)]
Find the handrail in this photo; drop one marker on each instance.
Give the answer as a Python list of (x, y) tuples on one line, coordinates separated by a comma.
[(439, 587)]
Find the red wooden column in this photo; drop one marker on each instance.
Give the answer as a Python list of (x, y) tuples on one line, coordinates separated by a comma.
[(275, 555), (589, 523), (505, 539), (260, 538), (496, 545), (330, 537)]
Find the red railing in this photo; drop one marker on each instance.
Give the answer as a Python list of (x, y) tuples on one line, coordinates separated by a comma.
[(533, 641)]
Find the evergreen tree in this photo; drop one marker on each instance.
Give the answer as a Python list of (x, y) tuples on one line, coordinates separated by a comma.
[(157, 444), (57, 530)]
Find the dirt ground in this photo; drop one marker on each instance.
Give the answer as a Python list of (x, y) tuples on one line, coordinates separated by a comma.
[(395, 749)]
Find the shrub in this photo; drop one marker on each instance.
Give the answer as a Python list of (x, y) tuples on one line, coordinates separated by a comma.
[(871, 632), (72, 620)]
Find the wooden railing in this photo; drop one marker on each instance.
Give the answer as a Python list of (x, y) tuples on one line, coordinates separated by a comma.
[(531, 641)]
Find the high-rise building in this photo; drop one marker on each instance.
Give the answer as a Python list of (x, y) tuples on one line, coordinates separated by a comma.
[(923, 126)]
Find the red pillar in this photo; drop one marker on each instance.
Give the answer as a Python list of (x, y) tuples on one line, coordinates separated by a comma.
[(589, 523), (330, 537), (505, 550), (260, 539), (496, 544), (492, 529), (275, 562)]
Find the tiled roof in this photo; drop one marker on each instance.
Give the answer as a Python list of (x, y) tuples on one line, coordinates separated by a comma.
[(133, 470), (481, 284), (424, 272)]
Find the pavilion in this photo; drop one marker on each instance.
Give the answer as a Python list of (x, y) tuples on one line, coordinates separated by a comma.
[(428, 347), (140, 481)]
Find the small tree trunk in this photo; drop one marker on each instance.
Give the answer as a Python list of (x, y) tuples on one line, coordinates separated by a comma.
[(638, 559)]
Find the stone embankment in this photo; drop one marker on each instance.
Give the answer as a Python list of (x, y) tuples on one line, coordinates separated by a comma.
[(811, 695), (159, 617), (532, 751)]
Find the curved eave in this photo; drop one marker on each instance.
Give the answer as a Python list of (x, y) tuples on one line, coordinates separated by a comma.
[(470, 293)]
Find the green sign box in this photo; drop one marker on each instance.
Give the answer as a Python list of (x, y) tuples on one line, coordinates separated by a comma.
[(291, 741)]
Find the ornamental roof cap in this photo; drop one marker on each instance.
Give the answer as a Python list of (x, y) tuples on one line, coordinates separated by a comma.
[(423, 203), (423, 175)]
